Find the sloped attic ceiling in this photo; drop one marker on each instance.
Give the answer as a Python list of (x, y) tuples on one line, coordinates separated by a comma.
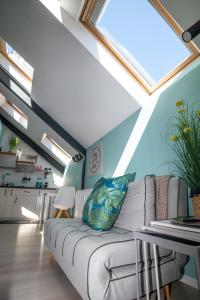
[(69, 83)]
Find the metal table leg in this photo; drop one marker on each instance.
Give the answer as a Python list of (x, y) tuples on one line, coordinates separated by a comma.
[(156, 271), (137, 269), (146, 269)]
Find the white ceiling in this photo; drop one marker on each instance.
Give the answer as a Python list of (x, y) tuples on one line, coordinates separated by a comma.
[(69, 83)]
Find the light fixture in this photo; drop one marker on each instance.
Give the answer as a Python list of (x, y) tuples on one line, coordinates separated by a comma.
[(191, 32), (77, 157)]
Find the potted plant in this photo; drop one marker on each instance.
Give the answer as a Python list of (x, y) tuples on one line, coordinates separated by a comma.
[(186, 145), (13, 142)]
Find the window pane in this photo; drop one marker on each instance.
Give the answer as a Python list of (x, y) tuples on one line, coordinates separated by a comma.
[(144, 38), (14, 112), (56, 149), (19, 60)]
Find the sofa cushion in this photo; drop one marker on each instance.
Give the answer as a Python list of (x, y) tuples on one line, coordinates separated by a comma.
[(138, 207), (104, 203), (80, 199)]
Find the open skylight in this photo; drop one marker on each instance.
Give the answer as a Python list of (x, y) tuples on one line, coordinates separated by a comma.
[(142, 36), (19, 60), (15, 113), (55, 149), (16, 65)]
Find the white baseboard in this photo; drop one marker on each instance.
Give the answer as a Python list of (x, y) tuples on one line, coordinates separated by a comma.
[(189, 281)]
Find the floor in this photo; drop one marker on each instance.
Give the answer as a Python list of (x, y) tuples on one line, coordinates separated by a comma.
[(25, 273)]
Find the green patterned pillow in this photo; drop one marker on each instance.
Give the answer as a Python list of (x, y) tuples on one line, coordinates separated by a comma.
[(104, 203)]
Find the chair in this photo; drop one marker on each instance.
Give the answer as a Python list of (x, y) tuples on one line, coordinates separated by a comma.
[(65, 199)]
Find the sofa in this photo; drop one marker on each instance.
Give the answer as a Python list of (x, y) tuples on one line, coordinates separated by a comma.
[(101, 265)]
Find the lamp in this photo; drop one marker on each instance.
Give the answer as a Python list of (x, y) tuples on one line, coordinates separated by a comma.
[(191, 32), (64, 200), (77, 157)]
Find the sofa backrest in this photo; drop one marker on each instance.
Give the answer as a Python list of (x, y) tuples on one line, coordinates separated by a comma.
[(80, 198), (139, 205)]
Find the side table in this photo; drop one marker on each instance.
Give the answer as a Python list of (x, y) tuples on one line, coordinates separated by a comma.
[(182, 245)]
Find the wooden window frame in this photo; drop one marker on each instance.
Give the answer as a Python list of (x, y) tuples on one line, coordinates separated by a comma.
[(86, 13), (56, 145), (15, 108), (11, 61)]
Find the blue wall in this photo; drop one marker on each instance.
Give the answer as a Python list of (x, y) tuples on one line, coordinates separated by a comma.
[(153, 154)]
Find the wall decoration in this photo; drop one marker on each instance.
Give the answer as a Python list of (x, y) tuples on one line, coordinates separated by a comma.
[(95, 160)]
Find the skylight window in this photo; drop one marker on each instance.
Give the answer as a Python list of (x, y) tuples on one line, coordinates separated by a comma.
[(17, 59), (142, 36), (13, 111), (55, 149), (16, 65)]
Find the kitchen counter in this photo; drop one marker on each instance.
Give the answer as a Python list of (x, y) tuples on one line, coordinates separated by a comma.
[(27, 187)]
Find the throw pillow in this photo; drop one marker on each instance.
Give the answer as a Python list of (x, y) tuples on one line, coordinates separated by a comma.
[(104, 203)]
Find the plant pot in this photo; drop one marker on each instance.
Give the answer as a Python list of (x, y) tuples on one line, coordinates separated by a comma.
[(196, 205)]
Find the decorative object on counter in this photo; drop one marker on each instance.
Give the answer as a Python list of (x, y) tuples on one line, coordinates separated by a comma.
[(26, 178), (47, 171), (46, 184), (186, 145), (39, 183), (65, 199), (13, 142)]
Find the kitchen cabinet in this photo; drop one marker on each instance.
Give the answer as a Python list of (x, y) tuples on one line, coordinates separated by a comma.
[(8, 203), (25, 204), (3, 196), (31, 204)]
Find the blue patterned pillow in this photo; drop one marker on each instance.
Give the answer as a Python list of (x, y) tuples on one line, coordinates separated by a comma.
[(104, 203)]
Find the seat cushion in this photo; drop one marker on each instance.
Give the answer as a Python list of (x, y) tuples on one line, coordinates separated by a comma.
[(95, 258), (104, 203)]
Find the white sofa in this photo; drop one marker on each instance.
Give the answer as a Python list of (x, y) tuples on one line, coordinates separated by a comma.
[(101, 265)]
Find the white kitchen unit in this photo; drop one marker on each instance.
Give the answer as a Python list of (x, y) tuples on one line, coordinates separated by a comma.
[(3, 196), (23, 204), (8, 201), (26, 203)]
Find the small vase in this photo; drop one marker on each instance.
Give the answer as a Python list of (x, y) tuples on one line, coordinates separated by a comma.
[(196, 205)]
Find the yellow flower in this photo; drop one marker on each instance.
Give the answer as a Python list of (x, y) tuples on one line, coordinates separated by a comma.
[(198, 113), (186, 130), (179, 103), (180, 111), (174, 138)]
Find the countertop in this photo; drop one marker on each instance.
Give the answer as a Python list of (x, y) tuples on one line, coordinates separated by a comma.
[(27, 187)]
